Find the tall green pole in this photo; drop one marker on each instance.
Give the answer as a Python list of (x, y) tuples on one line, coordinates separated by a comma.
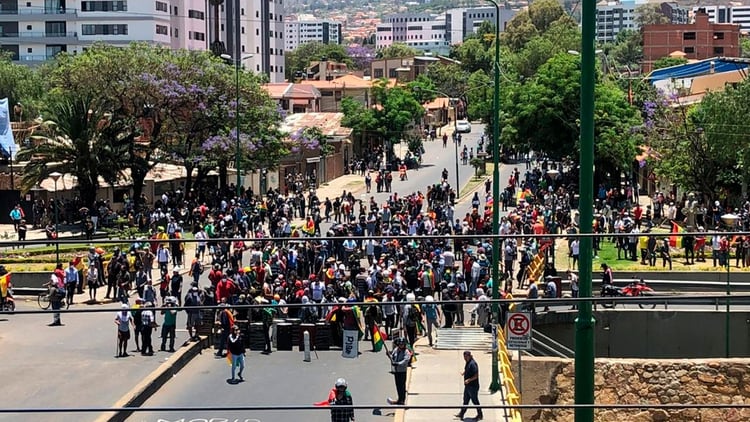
[(237, 122), (495, 385), (727, 319), (584, 352)]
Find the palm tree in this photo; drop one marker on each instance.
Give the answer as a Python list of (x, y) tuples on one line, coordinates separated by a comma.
[(78, 139)]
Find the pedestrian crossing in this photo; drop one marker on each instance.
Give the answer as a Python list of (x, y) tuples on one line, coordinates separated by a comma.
[(459, 338)]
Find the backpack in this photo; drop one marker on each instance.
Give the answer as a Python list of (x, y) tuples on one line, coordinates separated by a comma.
[(414, 314)]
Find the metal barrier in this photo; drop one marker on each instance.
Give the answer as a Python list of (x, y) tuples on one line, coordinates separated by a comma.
[(513, 398)]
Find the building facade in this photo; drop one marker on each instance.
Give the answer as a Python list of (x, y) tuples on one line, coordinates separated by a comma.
[(421, 31), (699, 40), (615, 17), (259, 27), (728, 14), (34, 31), (462, 22), (306, 28)]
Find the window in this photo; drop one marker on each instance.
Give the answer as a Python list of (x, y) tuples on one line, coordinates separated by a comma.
[(29, 50), (176, 13), (162, 30), (176, 32), (161, 6), (243, 29), (104, 6), (198, 36), (718, 50), (689, 50), (688, 36), (242, 11), (28, 27), (718, 35), (196, 14), (104, 29)]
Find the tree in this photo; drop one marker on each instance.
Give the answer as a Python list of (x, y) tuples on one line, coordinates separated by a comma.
[(668, 62), (745, 47), (650, 14), (21, 85), (541, 114), (628, 49), (519, 31), (397, 50), (299, 59), (473, 55), (361, 57), (543, 13), (423, 89), (79, 139), (448, 78)]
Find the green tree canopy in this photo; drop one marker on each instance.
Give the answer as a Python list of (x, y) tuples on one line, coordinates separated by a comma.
[(668, 62), (397, 50)]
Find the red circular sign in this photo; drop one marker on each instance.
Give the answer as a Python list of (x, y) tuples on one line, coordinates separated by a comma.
[(518, 324)]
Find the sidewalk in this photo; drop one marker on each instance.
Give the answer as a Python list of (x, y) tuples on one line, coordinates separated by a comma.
[(436, 379)]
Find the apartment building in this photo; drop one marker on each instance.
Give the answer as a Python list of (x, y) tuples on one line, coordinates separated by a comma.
[(462, 22), (253, 32), (34, 31), (615, 17), (739, 14), (306, 28), (422, 31), (699, 40)]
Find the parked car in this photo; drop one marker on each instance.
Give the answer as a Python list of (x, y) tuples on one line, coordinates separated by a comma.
[(463, 126)]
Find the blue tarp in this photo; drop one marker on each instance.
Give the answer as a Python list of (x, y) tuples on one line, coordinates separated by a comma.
[(7, 144), (703, 67)]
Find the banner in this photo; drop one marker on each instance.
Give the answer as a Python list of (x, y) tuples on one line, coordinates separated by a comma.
[(7, 144), (350, 348)]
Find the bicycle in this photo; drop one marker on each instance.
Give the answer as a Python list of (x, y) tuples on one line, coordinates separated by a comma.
[(44, 300)]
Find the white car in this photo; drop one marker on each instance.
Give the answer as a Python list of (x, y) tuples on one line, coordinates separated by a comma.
[(463, 126)]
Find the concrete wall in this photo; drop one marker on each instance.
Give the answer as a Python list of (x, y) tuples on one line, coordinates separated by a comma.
[(655, 334)]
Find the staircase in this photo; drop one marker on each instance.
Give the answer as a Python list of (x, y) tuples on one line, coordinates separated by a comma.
[(459, 338)]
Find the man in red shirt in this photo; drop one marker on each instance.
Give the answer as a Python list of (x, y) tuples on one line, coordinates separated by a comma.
[(225, 290), (215, 275)]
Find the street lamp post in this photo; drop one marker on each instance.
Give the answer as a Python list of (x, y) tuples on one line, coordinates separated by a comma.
[(55, 177), (731, 221), (584, 340), (455, 144), (553, 175), (495, 385), (237, 62)]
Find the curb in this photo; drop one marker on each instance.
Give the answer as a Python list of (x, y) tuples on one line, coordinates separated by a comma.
[(154, 381)]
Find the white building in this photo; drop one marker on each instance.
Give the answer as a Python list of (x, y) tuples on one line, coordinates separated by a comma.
[(728, 14), (261, 34), (422, 31), (615, 17), (306, 28), (33, 31), (462, 22)]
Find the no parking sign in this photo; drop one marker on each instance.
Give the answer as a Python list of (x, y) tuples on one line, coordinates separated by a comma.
[(518, 331)]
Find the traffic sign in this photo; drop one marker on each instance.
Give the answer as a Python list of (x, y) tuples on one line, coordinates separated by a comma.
[(518, 331)]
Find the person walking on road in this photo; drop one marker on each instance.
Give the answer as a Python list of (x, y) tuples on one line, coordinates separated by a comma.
[(148, 320), (56, 285), (236, 347), (340, 396), (400, 360), (169, 325), (123, 320), (471, 386)]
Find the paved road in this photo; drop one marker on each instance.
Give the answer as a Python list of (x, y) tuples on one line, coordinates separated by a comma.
[(72, 365), (281, 378)]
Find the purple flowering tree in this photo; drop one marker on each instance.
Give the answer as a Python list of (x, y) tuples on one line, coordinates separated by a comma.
[(361, 55)]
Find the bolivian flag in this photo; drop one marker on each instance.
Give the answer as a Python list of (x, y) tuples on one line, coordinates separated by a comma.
[(675, 241), (4, 282), (378, 338)]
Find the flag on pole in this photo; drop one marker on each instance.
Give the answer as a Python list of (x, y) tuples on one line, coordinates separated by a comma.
[(378, 338), (229, 358), (325, 403), (675, 241)]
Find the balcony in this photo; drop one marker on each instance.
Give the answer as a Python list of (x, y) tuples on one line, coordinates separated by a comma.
[(62, 37), (33, 59), (34, 14)]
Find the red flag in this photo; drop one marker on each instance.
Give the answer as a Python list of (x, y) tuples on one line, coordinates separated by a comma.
[(331, 397)]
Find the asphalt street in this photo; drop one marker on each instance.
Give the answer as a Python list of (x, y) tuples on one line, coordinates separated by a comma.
[(68, 366), (281, 378)]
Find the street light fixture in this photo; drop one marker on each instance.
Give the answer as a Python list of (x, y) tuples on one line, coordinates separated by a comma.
[(495, 385), (237, 63), (55, 177)]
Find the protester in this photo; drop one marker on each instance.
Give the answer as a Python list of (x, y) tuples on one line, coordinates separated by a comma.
[(123, 320), (471, 386), (236, 348), (400, 361)]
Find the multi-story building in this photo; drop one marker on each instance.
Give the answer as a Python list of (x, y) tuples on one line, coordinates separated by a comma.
[(259, 27), (35, 30), (462, 22), (699, 40), (306, 28), (615, 17), (728, 14), (422, 31)]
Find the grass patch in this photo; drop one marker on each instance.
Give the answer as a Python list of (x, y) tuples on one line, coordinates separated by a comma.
[(608, 255), (476, 181)]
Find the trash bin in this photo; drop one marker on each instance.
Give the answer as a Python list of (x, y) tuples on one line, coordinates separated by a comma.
[(284, 336)]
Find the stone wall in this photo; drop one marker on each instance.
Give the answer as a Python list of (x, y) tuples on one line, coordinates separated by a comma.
[(652, 382)]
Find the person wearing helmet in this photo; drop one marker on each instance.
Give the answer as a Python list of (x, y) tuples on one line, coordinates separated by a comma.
[(400, 360), (340, 396)]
